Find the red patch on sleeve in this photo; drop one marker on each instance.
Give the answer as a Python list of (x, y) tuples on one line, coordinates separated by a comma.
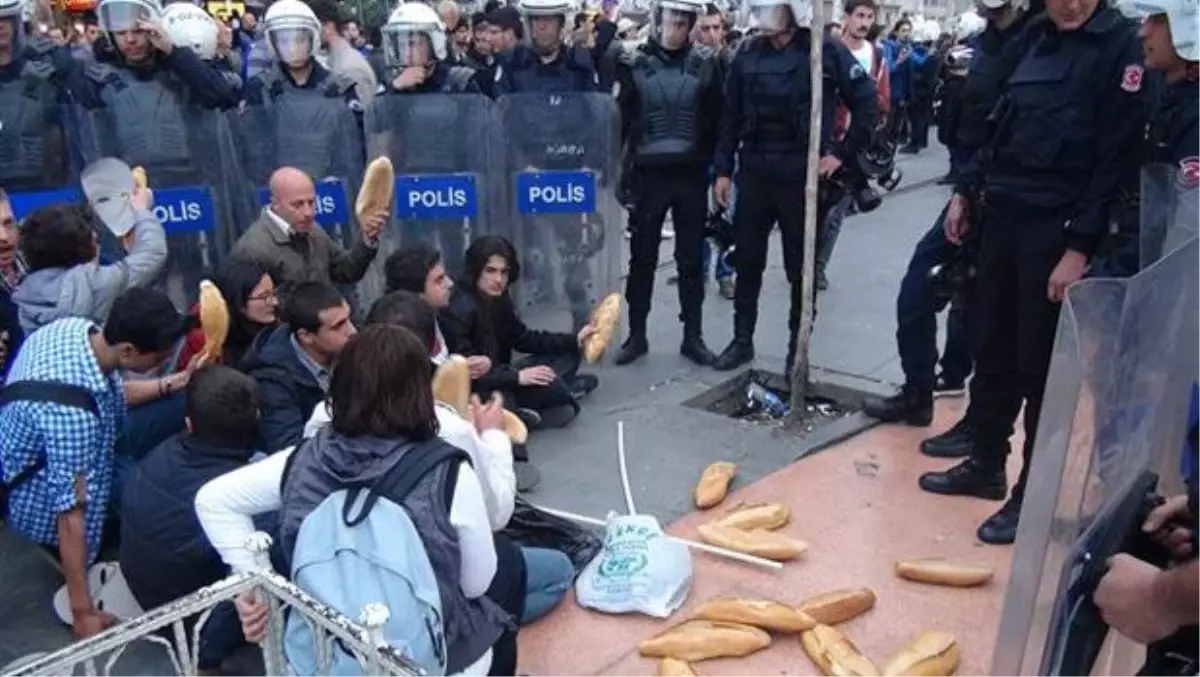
[(1189, 172), (1131, 81)]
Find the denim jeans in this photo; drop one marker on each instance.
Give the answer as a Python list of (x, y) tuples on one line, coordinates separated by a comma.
[(548, 576)]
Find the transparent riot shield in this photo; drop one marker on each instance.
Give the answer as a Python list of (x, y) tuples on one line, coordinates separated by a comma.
[(314, 133), (561, 163), (41, 152), (1170, 209), (440, 148), (201, 195), (1113, 423)]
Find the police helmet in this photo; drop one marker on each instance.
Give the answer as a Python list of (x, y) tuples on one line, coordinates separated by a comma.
[(411, 27), (124, 15), (191, 27), (1183, 18), (292, 30), (675, 14), (636, 12), (766, 17), (969, 25), (563, 8), (531, 10)]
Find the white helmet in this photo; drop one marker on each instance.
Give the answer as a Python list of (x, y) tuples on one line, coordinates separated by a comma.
[(636, 11), (189, 26), (124, 15), (926, 31), (764, 14), (673, 21), (292, 30), (534, 9), (1183, 18), (547, 7), (969, 25), (405, 34)]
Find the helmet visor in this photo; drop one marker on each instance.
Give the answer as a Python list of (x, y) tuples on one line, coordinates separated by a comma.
[(544, 32), (406, 46), (672, 27), (123, 16), (291, 45)]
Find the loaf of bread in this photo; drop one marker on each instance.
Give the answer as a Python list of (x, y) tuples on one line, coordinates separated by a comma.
[(673, 667), (760, 613), (515, 428), (939, 571), (140, 180), (701, 640), (605, 319), (378, 188), (714, 484), (932, 654), (759, 542), (839, 606), (834, 653), (214, 322), (452, 385), (757, 516)]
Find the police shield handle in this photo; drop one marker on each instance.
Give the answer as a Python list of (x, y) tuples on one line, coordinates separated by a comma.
[(378, 189), (214, 321), (605, 320)]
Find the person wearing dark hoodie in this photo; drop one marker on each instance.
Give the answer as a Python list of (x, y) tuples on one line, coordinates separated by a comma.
[(65, 277), (292, 362), (249, 291), (159, 528), (482, 320)]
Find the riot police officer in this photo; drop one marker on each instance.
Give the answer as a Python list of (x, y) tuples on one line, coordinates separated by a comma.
[(669, 90), (416, 56), (1066, 126), (1172, 48), (937, 262), (543, 62), (765, 122), (36, 139)]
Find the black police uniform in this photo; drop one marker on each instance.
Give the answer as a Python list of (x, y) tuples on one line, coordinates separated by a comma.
[(918, 302), (766, 123), (39, 147), (1068, 124), (670, 102)]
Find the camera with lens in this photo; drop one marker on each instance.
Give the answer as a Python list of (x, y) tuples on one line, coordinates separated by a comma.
[(877, 162), (958, 60)]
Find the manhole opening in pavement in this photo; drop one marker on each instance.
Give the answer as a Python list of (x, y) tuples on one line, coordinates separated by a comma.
[(764, 398)]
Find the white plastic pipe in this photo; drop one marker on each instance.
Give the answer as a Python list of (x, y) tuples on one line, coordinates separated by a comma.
[(629, 507)]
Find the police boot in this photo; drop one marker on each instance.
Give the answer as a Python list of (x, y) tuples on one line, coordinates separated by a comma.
[(1001, 528), (954, 443), (691, 303), (911, 406), (636, 345), (968, 478), (741, 349)]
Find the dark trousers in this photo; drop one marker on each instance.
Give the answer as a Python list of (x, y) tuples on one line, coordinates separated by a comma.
[(916, 317), (558, 393), (685, 194), (920, 114), (1019, 249), (508, 591), (761, 204)]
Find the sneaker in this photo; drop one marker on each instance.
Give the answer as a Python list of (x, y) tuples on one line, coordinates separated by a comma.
[(530, 417), (946, 386), (583, 385)]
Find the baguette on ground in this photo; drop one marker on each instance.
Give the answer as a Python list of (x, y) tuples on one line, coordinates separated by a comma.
[(605, 318), (452, 385), (839, 606), (757, 516), (939, 571), (714, 484), (758, 542), (834, 653), (673, 667), (701, 640), (932, 654), (214, 321), (761, 613), (378, 188)]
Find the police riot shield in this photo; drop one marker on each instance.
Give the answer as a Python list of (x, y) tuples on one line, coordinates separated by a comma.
[(201, 197), (37, 140), (314, 133), (561, 165), (1112, 426), (440, 148), (1170, 208)]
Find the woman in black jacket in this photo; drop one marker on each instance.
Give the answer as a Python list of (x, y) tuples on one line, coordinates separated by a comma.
[(482, 320)]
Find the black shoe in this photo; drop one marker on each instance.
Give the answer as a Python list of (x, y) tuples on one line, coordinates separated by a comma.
[(956, 442), (946, 386), (558, 416), (1001, 528), (822, 280), (583, 385), (737, 353), (528, 416), (694, 349), (527, 476), (967, 479), (634, 347), (909, 406), (520, 452)]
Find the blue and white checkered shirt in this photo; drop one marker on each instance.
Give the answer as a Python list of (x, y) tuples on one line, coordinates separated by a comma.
[(74, 442)]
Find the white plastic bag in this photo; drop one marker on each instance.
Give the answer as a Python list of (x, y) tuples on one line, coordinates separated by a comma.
[(639, 569)]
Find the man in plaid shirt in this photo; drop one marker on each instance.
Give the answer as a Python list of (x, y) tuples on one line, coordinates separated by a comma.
[(65, 505)]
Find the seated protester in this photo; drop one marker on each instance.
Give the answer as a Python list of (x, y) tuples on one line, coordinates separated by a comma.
[(249, 290), (65, 504), (381, 403), (12, 271), (65, 277), (159, 529), (482, 320), (292, 362)]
